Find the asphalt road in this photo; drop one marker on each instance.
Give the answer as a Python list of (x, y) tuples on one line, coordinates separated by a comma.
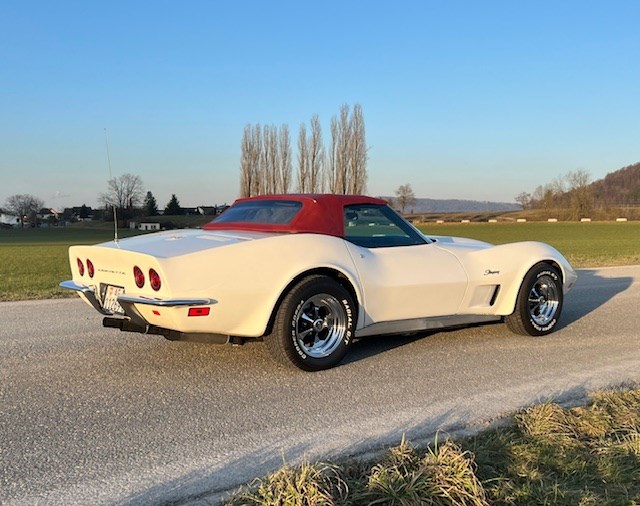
[(95, 416)]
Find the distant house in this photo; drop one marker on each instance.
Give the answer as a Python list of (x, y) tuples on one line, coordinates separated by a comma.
[(148, 226), (8, 219), (78, 213), (48, 214)]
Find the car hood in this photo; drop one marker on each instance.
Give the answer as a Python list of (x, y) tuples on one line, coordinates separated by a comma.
[(459, 243), (182, 242)]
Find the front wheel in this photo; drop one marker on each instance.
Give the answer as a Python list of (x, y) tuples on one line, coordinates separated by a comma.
[(539, 302), (314, 325)]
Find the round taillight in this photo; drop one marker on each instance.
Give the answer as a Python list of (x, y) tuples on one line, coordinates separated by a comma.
[(90, 268), (138, 276), (154, 278), (80, 267)]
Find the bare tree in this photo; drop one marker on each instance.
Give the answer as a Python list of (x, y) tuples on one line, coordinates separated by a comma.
[(265, 160), (342, 155), (269, 161), (538, 194), (580, 192), (357, 174), (558, 186), (303, 161), (284, 160), (266, 157), (548, 196), (311, 158), (316, 157), (124, 192), (251, 148), (332, 169), (259, 182), (348, 153), (524, 199), (23, 206), (405, 197)]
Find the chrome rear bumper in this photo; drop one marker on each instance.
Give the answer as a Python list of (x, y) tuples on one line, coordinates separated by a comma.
[(128, 302)]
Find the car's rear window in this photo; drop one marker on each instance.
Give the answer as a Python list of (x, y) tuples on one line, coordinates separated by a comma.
[(275, 212)]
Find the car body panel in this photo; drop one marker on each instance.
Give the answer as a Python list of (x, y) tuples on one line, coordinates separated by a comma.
[(408, 282), (503, 266)]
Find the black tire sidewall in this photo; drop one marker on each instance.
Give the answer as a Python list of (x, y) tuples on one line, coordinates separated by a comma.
[(530, 279), (293, 305)]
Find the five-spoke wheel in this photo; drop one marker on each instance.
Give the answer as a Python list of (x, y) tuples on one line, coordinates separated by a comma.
[(321, 325), (314, 324), (539, 302)]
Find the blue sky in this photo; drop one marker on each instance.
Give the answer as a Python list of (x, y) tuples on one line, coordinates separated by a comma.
[(469, 100)]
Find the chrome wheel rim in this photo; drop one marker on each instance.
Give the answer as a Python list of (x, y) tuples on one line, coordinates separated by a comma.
[(544, 300), (320, 325)]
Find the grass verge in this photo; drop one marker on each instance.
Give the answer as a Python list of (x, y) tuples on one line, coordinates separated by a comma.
[(588, 455)]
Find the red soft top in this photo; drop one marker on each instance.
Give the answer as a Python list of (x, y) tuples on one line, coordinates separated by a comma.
[(320, 214)]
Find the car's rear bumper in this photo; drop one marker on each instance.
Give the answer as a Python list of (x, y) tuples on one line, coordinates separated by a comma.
[(129, 302), (135, 308)]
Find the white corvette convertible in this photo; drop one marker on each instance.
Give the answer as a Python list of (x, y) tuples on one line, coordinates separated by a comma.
[(309, 273)]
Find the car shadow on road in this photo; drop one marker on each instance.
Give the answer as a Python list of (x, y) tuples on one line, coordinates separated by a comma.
[(367, 347), (591, 292)]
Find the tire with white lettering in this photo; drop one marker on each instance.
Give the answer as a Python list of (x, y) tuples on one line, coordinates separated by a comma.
[(539, 302), (314, 325)]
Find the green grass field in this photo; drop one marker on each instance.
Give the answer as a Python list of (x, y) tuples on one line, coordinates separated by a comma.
[(584, 244), (34, 261)]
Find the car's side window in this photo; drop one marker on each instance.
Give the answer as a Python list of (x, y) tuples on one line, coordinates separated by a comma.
[(376, 226)]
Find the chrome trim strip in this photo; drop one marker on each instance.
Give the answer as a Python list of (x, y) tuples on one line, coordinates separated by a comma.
[(72, 285), (128, 299)]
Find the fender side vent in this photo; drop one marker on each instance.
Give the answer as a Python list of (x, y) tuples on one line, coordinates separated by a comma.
[(495, 295)]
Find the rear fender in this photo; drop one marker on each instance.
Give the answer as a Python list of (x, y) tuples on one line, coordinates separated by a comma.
[(349, 282)]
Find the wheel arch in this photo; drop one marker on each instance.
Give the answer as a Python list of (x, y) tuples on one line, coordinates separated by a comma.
[(331, 272), (508, 304)]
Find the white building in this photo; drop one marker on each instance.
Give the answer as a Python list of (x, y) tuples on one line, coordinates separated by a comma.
[(9, 219), (148, 226)]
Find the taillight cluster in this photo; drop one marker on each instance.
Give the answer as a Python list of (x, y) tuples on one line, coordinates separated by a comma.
[(90, 269), (138, 274), (154, 278)]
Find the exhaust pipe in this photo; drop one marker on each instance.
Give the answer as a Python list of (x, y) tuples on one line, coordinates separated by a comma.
[(125, 325)]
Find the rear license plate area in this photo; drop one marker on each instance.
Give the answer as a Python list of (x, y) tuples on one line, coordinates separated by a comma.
[(110, 298)]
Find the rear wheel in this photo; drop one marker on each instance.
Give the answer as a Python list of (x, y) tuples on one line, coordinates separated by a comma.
[(539, 302), (314, 325)]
